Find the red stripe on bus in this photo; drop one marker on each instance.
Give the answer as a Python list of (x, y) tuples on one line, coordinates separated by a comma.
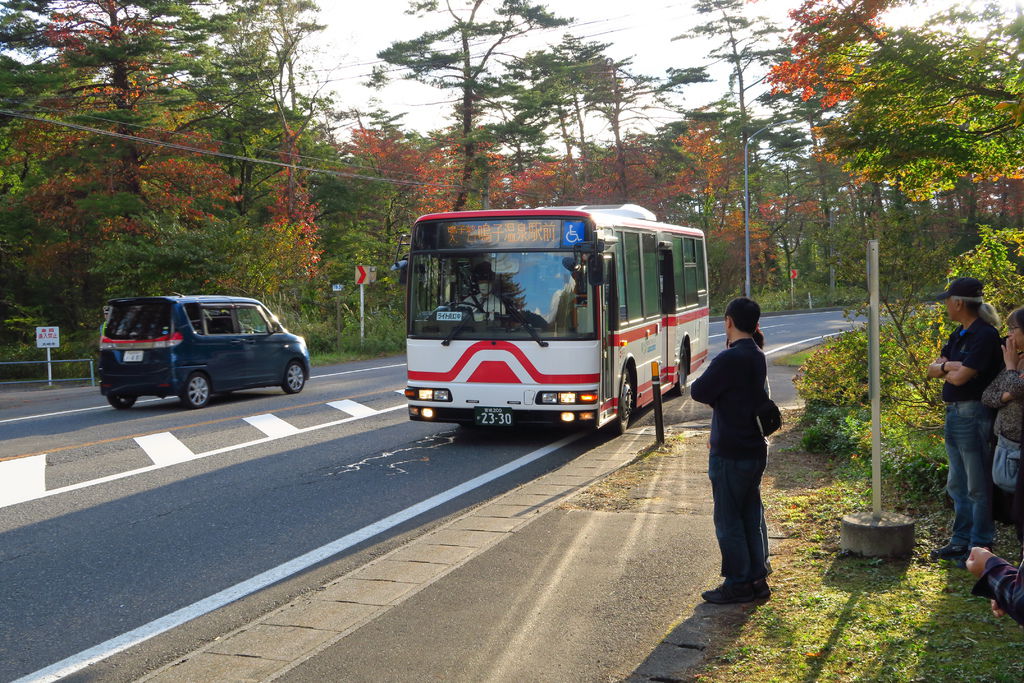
[(686, 317), (535, 374), (633, 335)]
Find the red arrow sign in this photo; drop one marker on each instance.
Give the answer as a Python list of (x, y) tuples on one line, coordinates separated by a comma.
[(360, 275)]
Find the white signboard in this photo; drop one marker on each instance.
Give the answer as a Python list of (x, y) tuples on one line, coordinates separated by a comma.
[(47, 337)]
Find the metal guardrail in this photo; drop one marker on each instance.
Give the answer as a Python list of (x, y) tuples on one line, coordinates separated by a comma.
[(50, 379)]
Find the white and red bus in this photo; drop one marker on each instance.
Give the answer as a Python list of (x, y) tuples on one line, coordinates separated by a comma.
[(551, 316)]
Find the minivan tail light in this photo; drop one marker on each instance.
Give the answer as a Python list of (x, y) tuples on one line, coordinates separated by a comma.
[(166, 342)]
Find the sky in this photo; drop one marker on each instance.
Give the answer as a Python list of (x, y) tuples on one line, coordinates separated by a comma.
[(641, 30)]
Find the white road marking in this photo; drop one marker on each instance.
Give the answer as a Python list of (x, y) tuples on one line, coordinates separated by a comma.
[(803, 341), (165, 449), (352, 408), (150, 400), (763, 327), (22, 479), (271, 425), (349, 372), (76, 410), (6, 487), (120, 643)]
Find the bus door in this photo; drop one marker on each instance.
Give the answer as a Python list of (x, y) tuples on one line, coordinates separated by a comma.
[(609, 325), (671, 334)]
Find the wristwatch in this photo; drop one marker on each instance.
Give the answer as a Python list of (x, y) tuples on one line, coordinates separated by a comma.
[(942, 368)]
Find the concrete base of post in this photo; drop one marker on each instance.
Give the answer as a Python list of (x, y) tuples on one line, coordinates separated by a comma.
[(890, 535)]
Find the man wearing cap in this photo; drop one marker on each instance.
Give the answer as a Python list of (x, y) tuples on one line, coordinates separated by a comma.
[(969, 361)]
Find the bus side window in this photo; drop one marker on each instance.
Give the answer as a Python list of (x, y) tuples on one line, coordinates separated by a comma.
[(631, 268), (677, 271), (652, 282), (690, 269), (702, 272)]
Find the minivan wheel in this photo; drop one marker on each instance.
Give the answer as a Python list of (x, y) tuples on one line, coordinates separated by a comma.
[(196, 393), (121, 401), (294, 378)]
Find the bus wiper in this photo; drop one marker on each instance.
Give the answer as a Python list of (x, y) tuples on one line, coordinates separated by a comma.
[(458, 328), (518, 315)]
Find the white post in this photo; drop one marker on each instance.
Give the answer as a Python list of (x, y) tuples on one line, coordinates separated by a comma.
[(874, 381), (361, 315), (49, 368)]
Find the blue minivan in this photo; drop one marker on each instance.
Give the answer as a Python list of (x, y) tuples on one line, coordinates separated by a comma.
[(195, 346)]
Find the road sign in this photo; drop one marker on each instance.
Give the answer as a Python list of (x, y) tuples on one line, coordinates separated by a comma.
[(793, 273), (47, 337), (366, 274), (339, 287)]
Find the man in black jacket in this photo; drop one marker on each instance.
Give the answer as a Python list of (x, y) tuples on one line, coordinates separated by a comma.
[(734, 385)]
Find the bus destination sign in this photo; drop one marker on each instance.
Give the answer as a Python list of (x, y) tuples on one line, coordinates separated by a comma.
[(521, 233)]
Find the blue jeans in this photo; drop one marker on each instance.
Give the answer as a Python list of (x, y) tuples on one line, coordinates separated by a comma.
[(739, 517), (967, 431)]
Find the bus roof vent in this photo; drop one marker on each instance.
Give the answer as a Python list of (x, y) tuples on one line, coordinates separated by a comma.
[(627, 210)]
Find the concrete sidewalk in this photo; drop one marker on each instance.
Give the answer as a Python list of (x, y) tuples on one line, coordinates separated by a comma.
[(575, 576)]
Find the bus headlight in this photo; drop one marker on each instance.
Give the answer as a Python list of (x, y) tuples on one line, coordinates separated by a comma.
[(428, 394)]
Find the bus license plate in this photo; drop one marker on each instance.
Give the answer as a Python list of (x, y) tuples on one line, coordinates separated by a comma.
[(133, 356), (492, 417)]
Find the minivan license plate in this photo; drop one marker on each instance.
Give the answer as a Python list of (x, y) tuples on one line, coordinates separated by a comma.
[(492, 417), (133, 356)]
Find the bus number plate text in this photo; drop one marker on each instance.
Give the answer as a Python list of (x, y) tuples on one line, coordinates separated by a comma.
[(492, 417)]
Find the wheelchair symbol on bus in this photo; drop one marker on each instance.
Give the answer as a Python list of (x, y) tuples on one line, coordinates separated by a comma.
[(572, 232)]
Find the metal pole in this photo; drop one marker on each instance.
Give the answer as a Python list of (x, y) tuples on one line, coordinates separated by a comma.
[(746, 216), (49, 368), (92, 374), (874, 382), (362, 317), (659, 421)]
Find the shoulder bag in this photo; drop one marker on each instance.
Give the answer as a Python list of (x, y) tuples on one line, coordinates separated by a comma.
[(767, 414)]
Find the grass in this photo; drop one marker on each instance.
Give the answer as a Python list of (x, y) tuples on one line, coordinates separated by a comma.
[(834, 617), (795, 360)]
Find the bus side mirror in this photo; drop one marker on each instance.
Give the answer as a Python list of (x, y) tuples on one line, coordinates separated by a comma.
[(402, 267), (596, 272)]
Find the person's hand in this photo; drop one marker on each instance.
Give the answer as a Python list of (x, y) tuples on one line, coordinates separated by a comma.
[(977, 559), (997, 610), (1006, 397), (1010, 353)]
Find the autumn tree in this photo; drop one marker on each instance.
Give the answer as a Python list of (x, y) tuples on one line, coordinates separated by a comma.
[(465, 57), (927, 105)]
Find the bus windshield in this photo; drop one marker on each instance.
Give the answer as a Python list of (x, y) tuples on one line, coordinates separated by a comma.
[(501, 295)]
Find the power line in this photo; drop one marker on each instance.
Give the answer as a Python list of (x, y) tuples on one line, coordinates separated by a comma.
[(225, 155)]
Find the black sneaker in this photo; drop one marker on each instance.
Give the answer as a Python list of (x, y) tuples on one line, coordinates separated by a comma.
[(950, 552), (761, 589), (728, 594)]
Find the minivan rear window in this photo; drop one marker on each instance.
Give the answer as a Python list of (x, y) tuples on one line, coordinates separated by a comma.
[(139, 321)]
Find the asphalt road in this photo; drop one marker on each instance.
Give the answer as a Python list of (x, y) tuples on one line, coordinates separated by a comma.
[(112, 520)]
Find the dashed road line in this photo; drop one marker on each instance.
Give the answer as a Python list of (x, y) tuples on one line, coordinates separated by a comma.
[(165, 449), (352, 408), (271, 425), (23, 480)]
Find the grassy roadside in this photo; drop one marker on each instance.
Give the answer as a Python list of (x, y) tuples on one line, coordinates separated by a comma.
[(841, 618)]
